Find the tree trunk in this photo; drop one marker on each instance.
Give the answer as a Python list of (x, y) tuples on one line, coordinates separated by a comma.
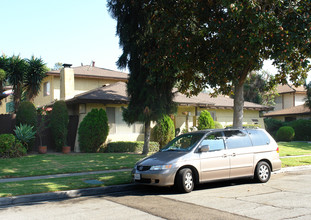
[(238, 106), (147, 138)]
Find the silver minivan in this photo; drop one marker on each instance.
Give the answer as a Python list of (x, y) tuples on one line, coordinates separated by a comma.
[(208, 155)]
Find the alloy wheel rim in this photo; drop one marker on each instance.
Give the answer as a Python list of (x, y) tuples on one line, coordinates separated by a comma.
[(263, 172), (188, 181)]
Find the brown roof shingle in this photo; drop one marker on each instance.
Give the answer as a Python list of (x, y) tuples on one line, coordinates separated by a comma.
[(94, 72), (289, 89), (296, 110), (116, 93)]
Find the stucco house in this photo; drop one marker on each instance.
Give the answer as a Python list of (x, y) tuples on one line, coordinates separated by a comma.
[(87, 87), (289, 96), (289, 105)]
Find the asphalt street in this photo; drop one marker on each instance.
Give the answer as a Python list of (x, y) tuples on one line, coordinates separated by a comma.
[(286, 196)]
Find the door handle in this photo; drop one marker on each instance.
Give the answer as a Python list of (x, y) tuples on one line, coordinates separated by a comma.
[(225, 155), (233, 155)]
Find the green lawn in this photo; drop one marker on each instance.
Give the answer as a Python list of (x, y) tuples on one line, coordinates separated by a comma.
[(294, 148), (45, 164), (60, 184)]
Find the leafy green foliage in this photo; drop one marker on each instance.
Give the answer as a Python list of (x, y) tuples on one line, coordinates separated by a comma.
[(198, 44), (26, 114), (25, 134), (10, 147), (285, 133), (59, 120), (272, 125), (302, 129), (205, 121), (218, 125), (129, 146), (150, 94), (164, 131), (93, 131), (36, 71)]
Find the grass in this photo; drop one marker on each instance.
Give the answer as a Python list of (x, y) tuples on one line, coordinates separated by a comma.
[(46, 164), (34, 165), (294, 148), (60, 184), (296, 161)]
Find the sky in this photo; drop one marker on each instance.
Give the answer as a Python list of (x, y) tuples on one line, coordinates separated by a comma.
[(67, 31)]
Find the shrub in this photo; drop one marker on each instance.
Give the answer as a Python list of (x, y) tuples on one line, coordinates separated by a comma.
[(205, 121), (25, 134), (27, 115), (59, 120), (130, 146), (285, 133), (218, 125), (164, 131), (93, 131), (272, 125), (302, 129), (10, 147)]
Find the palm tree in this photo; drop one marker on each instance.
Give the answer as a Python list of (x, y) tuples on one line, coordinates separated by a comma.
[(16, 69), (36, 71)]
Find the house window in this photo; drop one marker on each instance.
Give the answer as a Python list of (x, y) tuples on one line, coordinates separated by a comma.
[(111, 115), (46, 89)]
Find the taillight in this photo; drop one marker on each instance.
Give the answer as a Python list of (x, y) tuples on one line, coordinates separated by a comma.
[(277, 150)]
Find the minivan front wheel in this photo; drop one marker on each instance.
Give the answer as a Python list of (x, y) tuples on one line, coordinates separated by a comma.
[(262, 172), (184, 180)]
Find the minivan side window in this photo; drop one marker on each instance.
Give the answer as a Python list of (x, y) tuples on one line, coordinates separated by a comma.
[(258, 137), (237, 139), (215, 141)]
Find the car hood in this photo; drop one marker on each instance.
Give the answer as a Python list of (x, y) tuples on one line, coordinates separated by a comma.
[(162, 158)]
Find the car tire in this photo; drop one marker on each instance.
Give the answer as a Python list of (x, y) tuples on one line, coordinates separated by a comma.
[(262, 172), (185, 180)]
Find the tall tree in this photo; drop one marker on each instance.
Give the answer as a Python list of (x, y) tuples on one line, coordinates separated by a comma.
[(35, 73), (16, 70), (150, 94), (257, 89), (218, 43)]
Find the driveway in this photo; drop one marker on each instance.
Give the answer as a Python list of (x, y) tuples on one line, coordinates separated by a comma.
[(285, 196)]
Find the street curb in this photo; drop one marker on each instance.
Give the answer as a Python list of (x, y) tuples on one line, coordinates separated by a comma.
[(15, 200)]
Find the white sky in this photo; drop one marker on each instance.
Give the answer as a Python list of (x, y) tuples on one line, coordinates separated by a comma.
[(66, 31)]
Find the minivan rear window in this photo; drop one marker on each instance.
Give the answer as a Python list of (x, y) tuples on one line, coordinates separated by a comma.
[(237, 139), (258, 137)]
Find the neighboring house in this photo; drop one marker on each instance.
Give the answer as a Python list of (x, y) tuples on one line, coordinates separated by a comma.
[(83, 78), (87, 87), (289, 105), (289, 96), (113, 97), (290, 114)]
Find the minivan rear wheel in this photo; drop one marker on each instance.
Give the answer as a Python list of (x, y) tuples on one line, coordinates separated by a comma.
[(184, 180), (262, 172)]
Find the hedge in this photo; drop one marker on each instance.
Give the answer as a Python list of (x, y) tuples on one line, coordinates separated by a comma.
[(130, 146)]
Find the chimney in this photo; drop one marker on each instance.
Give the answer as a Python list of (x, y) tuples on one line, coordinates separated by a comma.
[(67, 83), (93, 63)]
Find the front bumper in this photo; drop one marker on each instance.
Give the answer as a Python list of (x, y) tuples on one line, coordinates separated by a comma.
[(154, 177)]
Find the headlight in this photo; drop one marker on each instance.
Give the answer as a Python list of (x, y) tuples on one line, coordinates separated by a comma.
[(161, 167)]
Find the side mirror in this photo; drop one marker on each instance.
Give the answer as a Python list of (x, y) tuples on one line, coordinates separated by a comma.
[(204, 148)]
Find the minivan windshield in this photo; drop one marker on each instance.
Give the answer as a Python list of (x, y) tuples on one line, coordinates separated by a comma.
[(185, 142)]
